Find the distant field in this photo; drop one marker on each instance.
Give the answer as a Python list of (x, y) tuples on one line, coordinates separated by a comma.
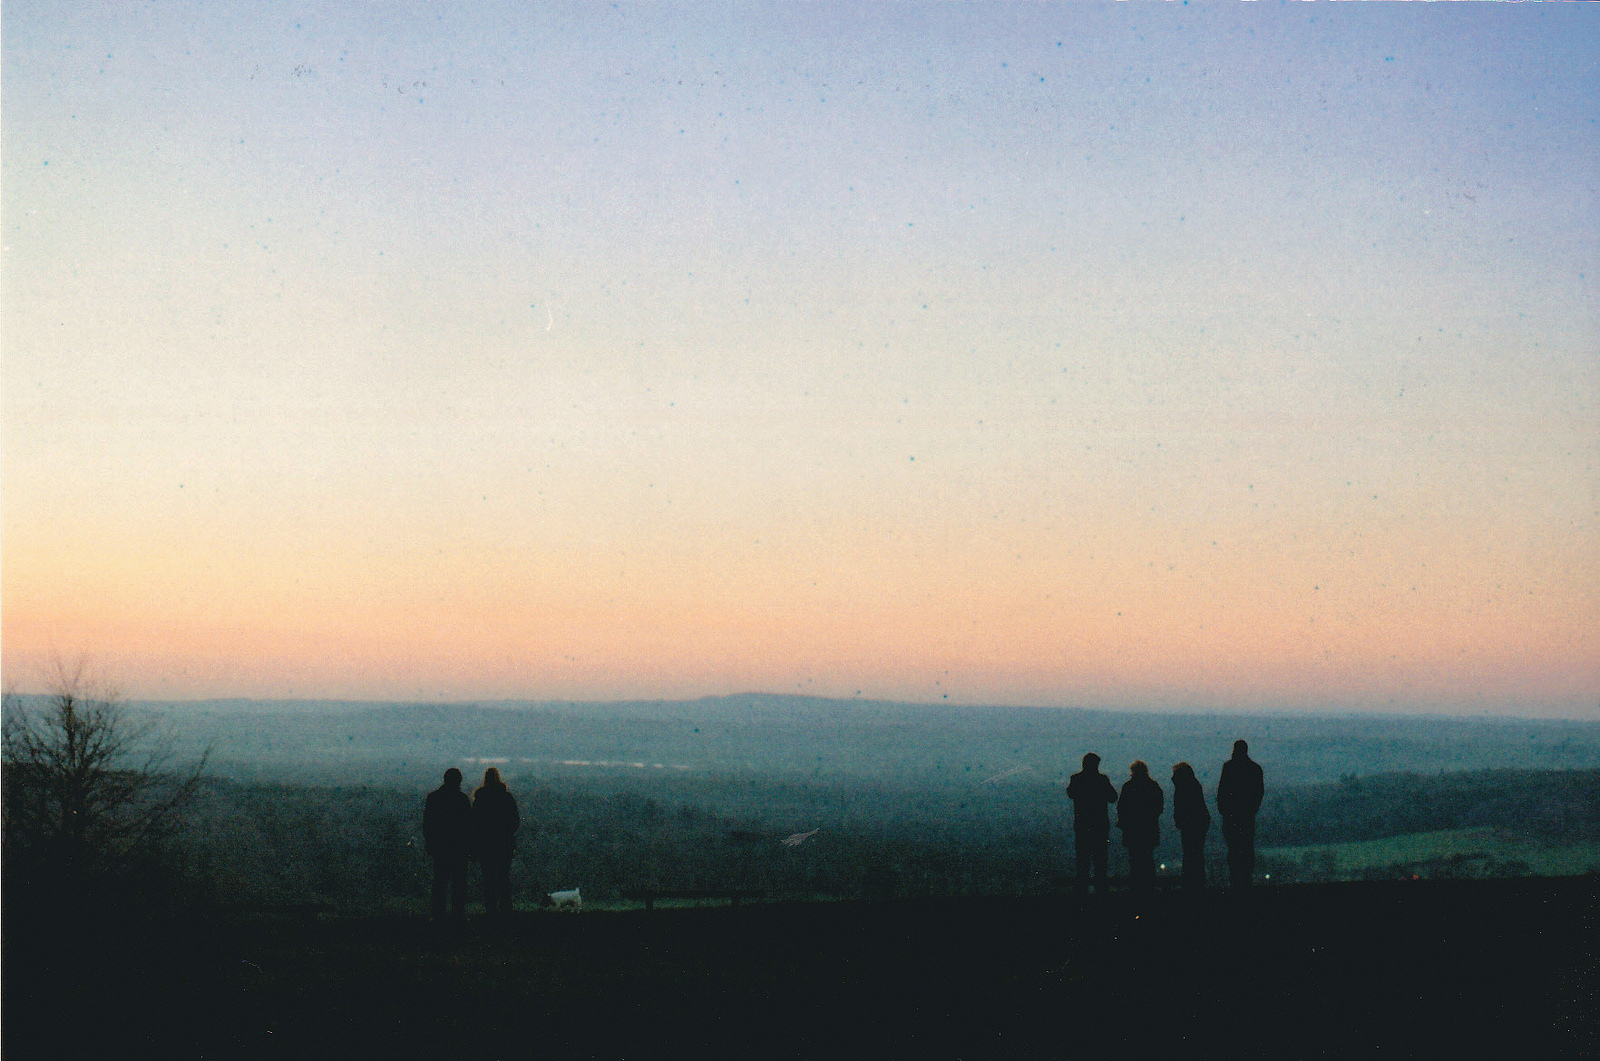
[(1451, 852)]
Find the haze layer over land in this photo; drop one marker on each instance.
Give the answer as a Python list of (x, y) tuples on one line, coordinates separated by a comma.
[(980, 750), (1198, 359)]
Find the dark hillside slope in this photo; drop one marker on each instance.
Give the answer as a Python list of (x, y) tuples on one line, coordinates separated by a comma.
[(1362, 970)]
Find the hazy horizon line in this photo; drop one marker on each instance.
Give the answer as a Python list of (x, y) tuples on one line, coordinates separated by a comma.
[(359, 703)]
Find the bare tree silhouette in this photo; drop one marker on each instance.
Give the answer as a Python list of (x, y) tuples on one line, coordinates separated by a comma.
[(88, 791)]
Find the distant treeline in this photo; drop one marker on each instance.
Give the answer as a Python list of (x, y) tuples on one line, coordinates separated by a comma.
[(360, 846), (1554, 806)]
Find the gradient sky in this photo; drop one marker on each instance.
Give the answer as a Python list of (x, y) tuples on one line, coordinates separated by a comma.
[(1214, 357)]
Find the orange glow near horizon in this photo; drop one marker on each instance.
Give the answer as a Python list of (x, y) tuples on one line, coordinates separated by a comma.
[(968, 625)]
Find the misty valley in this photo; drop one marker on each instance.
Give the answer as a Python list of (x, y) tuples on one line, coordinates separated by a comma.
[(321, 803), (869, 879)]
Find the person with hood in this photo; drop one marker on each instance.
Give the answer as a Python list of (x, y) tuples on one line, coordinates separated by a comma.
[(1193, 820), (1139, 808), (494, 826), (1239, 792), (447, 836), (1091, 793)]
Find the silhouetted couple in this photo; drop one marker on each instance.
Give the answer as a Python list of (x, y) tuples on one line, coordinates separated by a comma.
[(1139, 806), (456, 829)]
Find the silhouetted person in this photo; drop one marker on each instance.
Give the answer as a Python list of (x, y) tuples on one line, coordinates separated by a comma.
[(1139, 810), (447, 835), (1091, 793), (1193, 820), (494, 826), (1239, 793)]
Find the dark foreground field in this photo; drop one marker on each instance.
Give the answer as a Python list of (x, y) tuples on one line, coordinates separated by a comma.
[(1430, 969)]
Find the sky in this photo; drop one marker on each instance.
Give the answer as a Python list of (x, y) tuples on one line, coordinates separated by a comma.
[(1169, 357)]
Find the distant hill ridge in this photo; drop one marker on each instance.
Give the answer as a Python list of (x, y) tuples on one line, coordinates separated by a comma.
[(819, 738)]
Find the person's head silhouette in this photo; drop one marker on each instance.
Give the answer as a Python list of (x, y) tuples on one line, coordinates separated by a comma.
[(452, 777), (1091, 761), (1241, 750)]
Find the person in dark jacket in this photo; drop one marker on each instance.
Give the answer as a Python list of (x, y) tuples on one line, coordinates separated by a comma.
[(1193, 820), (447, 835), (1239, 792), (494, 825), (1091, 793), (1139, 810)]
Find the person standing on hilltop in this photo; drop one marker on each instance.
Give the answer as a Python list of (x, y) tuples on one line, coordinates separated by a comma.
[(1189, 814), (447, 836), (1139, 810), (1239, 793), (494, 825), (1091, 793)]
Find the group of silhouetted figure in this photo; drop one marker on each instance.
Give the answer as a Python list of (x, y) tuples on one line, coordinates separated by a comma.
[(1139, 807), (457, 829)]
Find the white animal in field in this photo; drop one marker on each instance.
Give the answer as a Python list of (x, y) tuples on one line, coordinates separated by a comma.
[(799, 838), (567, 900)]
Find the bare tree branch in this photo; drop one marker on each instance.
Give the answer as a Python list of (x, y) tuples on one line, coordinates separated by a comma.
[(88, 787)]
